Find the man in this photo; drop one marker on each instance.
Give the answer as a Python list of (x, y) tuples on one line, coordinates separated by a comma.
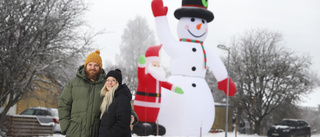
[(79, 103), (147, 101)]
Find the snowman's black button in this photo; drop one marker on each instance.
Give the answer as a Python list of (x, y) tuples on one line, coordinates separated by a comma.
[(194, 49), (193, 68), (194, 85)]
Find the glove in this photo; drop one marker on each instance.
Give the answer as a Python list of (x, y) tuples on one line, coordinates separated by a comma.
[(142, 59), (222, 85), (178, 90), (158, 9)]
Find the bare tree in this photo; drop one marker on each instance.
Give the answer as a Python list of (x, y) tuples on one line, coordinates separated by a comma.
[(39, 40), (136, 38), (267, 75)]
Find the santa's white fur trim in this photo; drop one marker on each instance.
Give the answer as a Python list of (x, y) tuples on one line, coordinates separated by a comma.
[(153, 58), (146, 104)]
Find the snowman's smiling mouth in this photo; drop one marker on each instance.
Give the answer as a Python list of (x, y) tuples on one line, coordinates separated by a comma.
[(196, 35)]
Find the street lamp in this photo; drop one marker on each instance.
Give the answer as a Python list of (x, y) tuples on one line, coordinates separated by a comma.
[(223, 47)]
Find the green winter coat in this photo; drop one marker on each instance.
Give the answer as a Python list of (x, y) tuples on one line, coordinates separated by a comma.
[(79, 105)]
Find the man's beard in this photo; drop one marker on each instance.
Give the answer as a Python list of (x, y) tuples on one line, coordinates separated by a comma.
[(157, 73), (92, 74)]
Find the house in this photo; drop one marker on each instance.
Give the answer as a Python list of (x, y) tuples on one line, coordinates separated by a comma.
[(43, 97), (220, 118)]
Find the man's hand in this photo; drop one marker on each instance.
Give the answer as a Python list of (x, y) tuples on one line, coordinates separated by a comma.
[(142, 59), (158, 9), (222, 85), (178, 90)]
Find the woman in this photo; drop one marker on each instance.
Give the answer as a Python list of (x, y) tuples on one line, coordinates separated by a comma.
[(115, 107)]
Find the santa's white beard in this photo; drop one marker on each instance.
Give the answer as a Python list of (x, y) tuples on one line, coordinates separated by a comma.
[(157, 73)]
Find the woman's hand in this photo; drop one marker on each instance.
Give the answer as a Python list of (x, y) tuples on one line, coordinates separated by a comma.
[(132, 119)]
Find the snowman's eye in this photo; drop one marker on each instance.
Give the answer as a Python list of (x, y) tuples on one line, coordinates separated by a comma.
[(192, 19), (203, 21)]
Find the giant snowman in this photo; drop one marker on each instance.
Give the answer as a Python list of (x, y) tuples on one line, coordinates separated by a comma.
[(190, 114)]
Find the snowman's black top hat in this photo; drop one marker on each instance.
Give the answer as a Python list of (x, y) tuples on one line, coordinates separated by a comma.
[(194, 8)]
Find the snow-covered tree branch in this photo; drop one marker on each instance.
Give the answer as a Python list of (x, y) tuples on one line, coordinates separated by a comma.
[(267, 75), (40, 41)]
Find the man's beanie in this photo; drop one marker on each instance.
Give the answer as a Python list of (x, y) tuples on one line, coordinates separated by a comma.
[(116, 74), (94, 57)]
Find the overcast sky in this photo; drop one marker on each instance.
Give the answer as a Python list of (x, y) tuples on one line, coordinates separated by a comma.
[(297, 20)]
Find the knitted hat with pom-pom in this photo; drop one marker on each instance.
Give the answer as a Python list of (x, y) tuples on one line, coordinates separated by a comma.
[(94, 57)]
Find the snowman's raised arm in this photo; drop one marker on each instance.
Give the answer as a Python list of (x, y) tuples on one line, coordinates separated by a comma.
[(169, 43), (162, 26)]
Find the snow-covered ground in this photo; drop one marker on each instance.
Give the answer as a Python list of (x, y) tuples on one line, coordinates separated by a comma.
[(222, 134)]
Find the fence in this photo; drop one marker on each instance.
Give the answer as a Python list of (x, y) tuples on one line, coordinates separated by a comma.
[(17, 126)]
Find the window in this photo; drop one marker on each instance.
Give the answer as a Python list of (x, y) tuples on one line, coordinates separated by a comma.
[(28, 112), (47, 113), (40, 112), (303, 124)]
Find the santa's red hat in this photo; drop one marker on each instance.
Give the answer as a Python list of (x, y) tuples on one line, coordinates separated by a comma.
[(152, 54)]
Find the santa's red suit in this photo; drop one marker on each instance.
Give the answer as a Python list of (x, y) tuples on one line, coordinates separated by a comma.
[(148, 96)]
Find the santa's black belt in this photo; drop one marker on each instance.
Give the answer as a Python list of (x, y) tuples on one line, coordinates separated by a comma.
[(148, 94)]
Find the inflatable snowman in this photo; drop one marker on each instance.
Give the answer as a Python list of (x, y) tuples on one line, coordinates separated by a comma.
[(190, 114)]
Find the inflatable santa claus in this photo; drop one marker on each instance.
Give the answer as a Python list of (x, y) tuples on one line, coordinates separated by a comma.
[(190, 114), (151, 78)]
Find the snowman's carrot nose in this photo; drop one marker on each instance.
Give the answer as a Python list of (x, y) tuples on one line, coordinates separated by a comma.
[(199, 26)]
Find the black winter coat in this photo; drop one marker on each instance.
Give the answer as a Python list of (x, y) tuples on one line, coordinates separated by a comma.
[(115, 121)]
